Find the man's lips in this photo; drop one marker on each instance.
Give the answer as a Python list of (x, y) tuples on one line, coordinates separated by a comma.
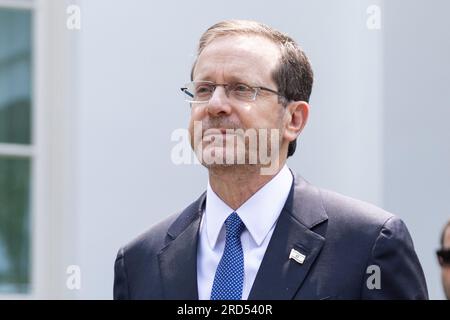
[(218, 131)]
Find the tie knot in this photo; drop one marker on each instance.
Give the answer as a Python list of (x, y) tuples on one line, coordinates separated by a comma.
[(234, 225)]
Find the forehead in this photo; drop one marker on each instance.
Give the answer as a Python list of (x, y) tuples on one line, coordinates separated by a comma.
[(447, 238), (238, 57)]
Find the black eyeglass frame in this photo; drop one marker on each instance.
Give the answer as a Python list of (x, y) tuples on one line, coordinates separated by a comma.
[(443, 256)]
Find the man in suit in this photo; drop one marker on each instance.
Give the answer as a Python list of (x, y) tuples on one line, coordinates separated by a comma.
[(258, 234)]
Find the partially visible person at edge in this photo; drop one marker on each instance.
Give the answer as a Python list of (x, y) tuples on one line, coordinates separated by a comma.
[(443, 255)]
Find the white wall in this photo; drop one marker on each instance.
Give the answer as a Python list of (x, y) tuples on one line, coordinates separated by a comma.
[(417, 131), (132, 57)]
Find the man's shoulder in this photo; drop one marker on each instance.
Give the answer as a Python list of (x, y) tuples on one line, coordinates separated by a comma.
[(315, 205), (351, 218), (153, 240), (357, 235), (357, 212)]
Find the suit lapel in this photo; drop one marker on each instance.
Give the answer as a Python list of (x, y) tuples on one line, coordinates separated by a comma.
[(280, 277), (178, 259)]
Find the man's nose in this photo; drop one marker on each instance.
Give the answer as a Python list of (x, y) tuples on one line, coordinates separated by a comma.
[(219, 104)]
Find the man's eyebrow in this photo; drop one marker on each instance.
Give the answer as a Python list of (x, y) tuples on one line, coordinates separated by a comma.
[(238, 79), (230, 79)]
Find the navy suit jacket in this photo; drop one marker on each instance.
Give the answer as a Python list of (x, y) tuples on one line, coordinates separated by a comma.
[(340, 237)]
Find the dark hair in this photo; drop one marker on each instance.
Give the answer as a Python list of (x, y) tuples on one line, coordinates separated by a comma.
[(293, 76)]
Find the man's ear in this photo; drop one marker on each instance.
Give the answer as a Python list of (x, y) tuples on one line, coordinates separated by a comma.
[(296, 116)]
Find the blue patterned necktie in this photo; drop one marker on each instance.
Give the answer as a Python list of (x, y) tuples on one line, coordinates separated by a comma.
[(229, 278)]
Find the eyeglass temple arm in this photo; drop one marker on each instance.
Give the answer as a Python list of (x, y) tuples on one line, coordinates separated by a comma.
[(185, 90), (270, 90)]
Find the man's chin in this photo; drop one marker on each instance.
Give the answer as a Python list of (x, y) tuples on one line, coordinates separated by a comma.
[(215, 166), (216, 155)]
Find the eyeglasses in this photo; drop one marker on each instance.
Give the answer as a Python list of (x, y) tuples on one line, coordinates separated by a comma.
[(202, 91), (443, 257)]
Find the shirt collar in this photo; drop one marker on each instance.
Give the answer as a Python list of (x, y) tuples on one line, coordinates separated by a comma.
[(259, 213)]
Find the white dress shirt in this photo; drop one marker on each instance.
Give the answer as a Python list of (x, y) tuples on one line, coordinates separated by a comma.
[(259, 214)]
